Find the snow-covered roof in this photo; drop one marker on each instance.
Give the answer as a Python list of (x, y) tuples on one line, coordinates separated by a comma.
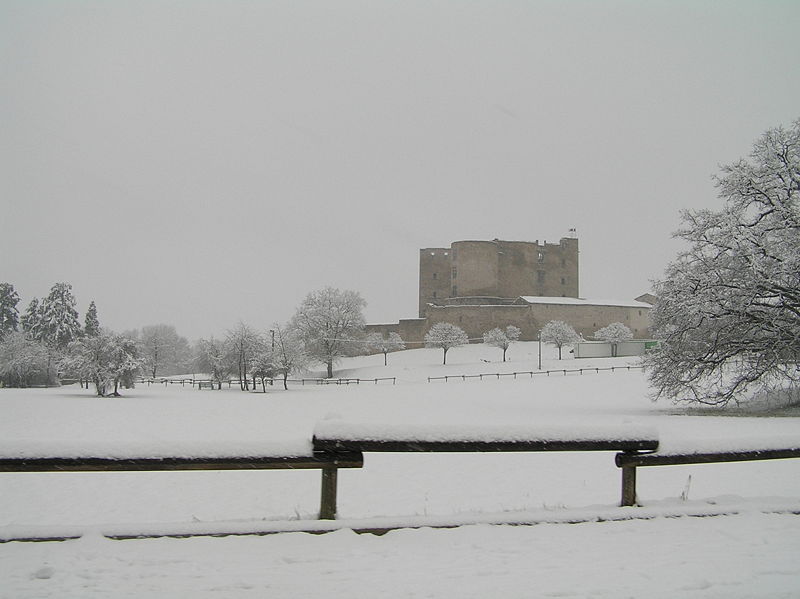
[(580, 301)]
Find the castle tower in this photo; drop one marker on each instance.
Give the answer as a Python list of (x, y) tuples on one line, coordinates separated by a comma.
[(497, 272)]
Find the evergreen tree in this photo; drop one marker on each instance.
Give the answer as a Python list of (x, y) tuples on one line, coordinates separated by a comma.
[(9, 315), (31, 321), (91, 324), (59, 321)]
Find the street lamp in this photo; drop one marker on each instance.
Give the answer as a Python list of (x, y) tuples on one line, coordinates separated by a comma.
[(540, 349)]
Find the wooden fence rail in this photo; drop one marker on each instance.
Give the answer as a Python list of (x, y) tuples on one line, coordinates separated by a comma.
[(629, 461), (529, 373)]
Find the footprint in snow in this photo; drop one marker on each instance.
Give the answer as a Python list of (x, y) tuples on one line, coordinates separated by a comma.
[(44, 573)]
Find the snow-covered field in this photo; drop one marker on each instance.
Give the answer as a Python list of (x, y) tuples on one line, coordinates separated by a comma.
[(660, 550)]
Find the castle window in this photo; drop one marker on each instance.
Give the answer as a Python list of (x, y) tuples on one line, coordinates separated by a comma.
[(540, 276), (445, 253), (540, 257), (434, 295), (433, 253), (454, 292), (434, 276), (563, 280), (453, 273), (563, 263)]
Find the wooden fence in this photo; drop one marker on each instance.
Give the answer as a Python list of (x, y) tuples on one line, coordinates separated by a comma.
[(528, 373)]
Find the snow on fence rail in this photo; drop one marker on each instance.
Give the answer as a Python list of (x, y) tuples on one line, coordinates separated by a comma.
[(528, 373), (337, 444)]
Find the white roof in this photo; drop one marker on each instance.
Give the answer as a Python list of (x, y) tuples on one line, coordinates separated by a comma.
[(580, 301)]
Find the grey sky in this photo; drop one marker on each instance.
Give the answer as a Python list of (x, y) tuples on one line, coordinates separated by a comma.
[(197, 163)]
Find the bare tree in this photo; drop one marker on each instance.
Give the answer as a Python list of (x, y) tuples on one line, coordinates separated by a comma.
[(163, 349), (559, 333), (289, 354), (445, 335), (327, 321), (243, 343), (23, 361), (728, 310), (502, 339), (385, 345), (211, 357)]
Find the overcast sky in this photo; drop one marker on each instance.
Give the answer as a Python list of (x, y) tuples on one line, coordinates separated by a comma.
[(197, 163)]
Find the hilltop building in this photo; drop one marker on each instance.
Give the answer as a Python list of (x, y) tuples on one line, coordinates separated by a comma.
[(496, 272), (480, 285)]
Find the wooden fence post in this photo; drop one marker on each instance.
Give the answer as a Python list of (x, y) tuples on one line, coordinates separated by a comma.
[(327, 506), (628, 486)]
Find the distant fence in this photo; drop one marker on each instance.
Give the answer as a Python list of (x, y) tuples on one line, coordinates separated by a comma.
[(333, 381), (529, 373), (271, 381)]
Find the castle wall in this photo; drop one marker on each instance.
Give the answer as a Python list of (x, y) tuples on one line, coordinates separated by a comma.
[(585, 318), (548, 269), (475, 269)]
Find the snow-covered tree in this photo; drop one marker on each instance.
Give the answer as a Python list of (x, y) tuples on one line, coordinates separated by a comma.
[(242, 344), (163, 349), (559, 333), (23, 361), (91, 324), (289, 354), (728, 309), (378, 342), (59, 318), (211, 357), (614, 333), (9, 315), (445, 335), (261, 366), (108, 360), (327, 321), (502, 339), (31, 321)]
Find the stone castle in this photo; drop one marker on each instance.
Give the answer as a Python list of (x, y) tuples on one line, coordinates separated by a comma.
[(480, 285)]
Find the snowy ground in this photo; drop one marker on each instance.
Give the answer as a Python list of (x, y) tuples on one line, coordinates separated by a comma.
[(750, 553)]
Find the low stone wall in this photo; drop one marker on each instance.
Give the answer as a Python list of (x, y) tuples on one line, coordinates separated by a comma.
[(477, 319)]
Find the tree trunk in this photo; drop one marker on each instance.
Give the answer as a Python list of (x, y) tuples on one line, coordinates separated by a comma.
[(505, 349), (559, 352), (444, 358), (330, 369), (285, 376), (385, 361)]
